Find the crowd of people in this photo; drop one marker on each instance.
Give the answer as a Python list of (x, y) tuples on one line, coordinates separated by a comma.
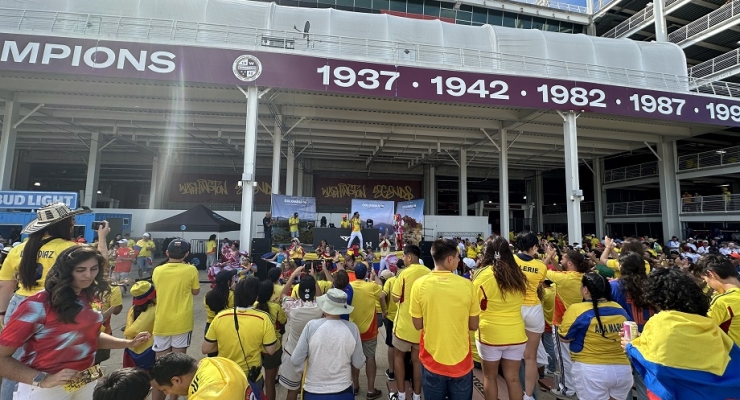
[(521, 308)]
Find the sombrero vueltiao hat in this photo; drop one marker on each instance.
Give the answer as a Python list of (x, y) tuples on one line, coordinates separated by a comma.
[(51, 214)]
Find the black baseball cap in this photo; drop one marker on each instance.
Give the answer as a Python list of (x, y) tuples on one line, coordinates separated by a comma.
[(178, 248)]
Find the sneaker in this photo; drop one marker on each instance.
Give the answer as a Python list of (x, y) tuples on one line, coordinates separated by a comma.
[(417, 396), (526, 397), (374, 395), (393, 396), (549, 373), (561, 393), (390, 375)]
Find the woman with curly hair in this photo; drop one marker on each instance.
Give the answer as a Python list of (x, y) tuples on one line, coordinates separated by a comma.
[(592, 328), (663, 353), (58, 329), (500, 338), (721, 276)]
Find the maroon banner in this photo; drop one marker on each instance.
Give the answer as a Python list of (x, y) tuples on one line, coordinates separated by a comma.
[(341, 191), (103, 58), (215, 188)]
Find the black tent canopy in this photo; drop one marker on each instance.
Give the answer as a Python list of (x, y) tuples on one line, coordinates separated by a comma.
[(197, 219)]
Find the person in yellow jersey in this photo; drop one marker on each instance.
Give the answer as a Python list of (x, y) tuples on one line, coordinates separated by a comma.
[(356, 224), (293, 225), (629, 245), (211, 252), (176, 284), (220, 298), (243, 333), (364, 296), (593, 327), (271, 362), (49, 234), (140, 318), (471, 250), (719, 274), (500, 339), (444, 308), (534, 318), (568, 285), (344, 223), (214, 378), (143, 249), (548, 307), (389, 278), (405, 336)]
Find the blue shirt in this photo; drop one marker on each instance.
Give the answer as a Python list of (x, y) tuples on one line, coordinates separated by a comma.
[(637, 315)]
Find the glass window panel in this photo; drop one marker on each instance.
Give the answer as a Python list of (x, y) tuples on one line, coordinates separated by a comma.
[(464, 15), (461, 22), (331, 2), (466, 7), (479, 15), (367, 4), (495, 17), (509, 20), (445, 13), (415, 6), (538, 23), (381, 5), (345, 3), (398, 5), (524, 22), (431, 8), (345, 8), (477, 24), (566, 27), (553, 26)]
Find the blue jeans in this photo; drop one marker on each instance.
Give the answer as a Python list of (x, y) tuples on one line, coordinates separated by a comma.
[(552, 361), (294, 234), (8, 386), (142, 265), (439, 387)]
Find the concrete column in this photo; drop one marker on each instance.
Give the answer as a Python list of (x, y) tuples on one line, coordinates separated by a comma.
[(661, 30), (463, 195), (250, 161), (669, 188), (573, 193), (503, 183), (300, 179), (599, 198), (156, 190), (7, 142), (539, 202), (277, 141), (290, 169), (430, 190), (93, 172)]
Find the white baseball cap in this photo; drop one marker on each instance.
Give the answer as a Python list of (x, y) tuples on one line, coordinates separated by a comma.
[(146, 234)]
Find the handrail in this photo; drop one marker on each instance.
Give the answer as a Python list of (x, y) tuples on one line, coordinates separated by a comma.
[(554, 4), (644, 207), (631, 172), (559, 209), (716, 64), (716, 88), (721, 203), (720, 15), (709, 159), (644, 15), (98, 26)]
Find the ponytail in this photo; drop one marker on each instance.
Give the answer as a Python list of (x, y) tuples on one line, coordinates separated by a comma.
[(265, 294), (599, 288)]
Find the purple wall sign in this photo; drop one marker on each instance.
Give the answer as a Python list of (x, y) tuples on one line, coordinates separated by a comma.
[(298, 72)]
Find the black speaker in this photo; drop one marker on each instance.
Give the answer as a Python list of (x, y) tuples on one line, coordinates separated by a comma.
[(197, 259), (262, 268), (259, 247)]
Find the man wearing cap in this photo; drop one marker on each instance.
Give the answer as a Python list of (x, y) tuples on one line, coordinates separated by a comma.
[(176, 284), (344, 223), (300, 311), (332, 346), (125, 256), (364, 298), (143, 250), (293, 224)]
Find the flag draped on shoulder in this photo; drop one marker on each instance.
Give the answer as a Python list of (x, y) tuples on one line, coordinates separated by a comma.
[(686, 357)]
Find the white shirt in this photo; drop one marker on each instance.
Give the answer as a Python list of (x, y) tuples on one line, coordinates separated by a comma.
[(702, 250), (725, 251), (691, 246), (674, 244), (299, 313), (331, 347)]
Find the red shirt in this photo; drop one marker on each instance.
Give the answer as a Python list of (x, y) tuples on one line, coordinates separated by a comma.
[(48, 344), (124, 265)]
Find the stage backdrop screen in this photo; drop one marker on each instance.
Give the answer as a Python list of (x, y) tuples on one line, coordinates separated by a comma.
[(412, 217), (286, 206), (381, 212)]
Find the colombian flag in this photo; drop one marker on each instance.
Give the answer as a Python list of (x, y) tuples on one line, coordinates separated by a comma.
[(686, 357)]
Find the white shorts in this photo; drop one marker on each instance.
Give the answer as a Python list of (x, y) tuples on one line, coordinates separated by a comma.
[(534, 318), (513, 352), (290, 375), (164, 343), (28, 392), (598, 382)]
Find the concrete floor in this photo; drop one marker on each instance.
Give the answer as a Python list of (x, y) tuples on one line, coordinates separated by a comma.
[(119, 321)]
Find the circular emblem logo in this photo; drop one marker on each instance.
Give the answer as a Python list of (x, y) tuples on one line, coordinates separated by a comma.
[(247, 68)]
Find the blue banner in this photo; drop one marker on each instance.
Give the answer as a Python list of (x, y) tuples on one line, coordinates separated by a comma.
[(35, 200), (286, 206), (381, 212), (410, 221)]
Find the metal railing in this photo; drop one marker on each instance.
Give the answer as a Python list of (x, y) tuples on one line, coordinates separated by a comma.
[(645, 207), (720, 15), (716, 88), (631, 172), (717, 64), (709, 159), (638, 18), (127, 28), (601, 4), (711, 204), (554, 4), (557, 209)]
